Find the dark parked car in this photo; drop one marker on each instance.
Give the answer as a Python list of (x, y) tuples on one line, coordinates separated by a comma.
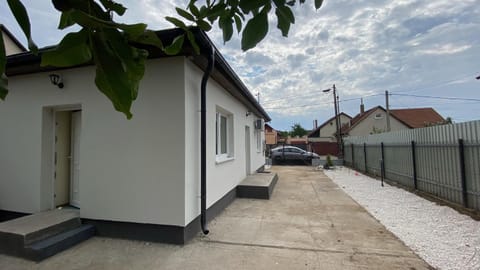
[(291, 153)]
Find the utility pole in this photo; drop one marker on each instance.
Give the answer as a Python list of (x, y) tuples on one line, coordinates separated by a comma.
[(258, 97), (336, 105), (388, 111), (337, 120)]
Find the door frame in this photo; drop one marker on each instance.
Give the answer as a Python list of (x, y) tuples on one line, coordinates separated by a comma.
[(73, 154), (48, 151)]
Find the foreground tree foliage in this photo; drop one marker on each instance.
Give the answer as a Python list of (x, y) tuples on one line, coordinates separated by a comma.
[(114, 47)]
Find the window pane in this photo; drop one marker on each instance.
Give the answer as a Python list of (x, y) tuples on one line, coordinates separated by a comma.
[(223, 134)]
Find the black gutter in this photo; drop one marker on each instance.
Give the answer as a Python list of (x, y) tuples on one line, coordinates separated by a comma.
[(203, 141)]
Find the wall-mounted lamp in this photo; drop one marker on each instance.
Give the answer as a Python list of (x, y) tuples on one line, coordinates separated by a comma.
[(248, 113), (55, 79)]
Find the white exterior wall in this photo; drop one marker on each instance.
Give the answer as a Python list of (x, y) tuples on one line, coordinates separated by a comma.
[(130, 170), (10, 46), (366, 126), (223, 177)]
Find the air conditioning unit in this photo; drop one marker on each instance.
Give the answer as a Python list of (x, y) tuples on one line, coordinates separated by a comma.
[(259, 124)]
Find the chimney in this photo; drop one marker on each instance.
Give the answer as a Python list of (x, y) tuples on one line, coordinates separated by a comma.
[(315, 124), (362, 107)]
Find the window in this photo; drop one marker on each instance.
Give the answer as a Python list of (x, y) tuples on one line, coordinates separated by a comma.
[(258, 138), (378, 116), (224, 135)]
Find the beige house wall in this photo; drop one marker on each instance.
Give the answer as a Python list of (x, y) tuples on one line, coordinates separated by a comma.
[(376, 122), (330, 128), (271, 137)]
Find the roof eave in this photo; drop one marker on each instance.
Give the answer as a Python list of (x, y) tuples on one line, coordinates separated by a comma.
[(25, 63)]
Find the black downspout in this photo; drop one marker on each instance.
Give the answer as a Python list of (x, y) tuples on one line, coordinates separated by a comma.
[(203, 141)]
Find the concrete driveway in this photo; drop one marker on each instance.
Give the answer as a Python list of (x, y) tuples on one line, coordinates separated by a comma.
[(309, 223)]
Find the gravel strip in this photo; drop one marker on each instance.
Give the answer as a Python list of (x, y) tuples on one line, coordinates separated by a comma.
[(440, 235)]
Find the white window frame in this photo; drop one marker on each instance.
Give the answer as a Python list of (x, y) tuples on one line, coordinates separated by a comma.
[(258, 138), (229, 153)]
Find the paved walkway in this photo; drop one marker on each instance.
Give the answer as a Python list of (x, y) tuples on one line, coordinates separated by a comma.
[(309, 223)]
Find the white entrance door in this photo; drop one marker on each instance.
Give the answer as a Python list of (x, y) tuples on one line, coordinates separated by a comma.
[(75, 158), (62, 157)]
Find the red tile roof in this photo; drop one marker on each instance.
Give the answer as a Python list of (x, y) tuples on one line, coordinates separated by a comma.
[(418, 117)]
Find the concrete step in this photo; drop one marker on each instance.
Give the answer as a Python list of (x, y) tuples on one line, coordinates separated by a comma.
[(21, 236), (52, 245), (257, 186)]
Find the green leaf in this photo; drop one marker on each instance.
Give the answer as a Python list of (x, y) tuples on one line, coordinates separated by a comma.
[(134, 30), (176, 22), (194, 9), (285, 19), (133, 59), (250, 5), (176, 45), (73, 50), (238, 23), (318, 3), (203, 12), (112, 73), (66, 20), (216, 11), (116, 7), (149, 37), (225, 23), (185, 14), (255, 30), (192, 40), (3, 76), (89, 21), (20, 14), (204, 25), (286, 13)]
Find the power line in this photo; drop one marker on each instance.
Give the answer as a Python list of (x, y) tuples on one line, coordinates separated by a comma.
[(437, 97), (442, 83), (316, 104)]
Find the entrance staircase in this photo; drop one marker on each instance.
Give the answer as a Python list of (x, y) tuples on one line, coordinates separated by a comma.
[(41, 235)]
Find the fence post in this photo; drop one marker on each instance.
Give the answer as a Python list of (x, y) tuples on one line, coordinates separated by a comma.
[(365, 155), (382, 169), (353, 157), (461, 148), (383, 161), (414, 161)]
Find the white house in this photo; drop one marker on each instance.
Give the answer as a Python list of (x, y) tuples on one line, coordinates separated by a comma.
[(68, 146)]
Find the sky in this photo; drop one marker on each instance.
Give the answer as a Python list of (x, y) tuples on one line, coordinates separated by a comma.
[(425, 53)]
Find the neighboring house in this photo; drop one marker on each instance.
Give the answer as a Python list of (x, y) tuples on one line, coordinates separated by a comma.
[(12, 45), (271, 135), (375, 120), (68, 146), (326, 131)]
